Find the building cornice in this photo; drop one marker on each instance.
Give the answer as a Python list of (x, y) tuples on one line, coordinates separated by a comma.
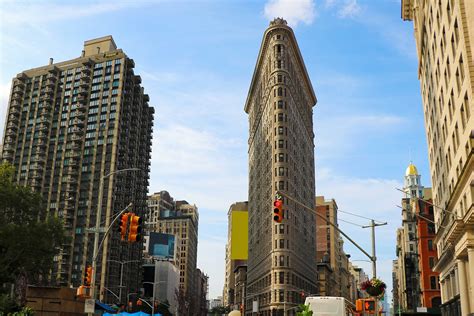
[(263, 48)]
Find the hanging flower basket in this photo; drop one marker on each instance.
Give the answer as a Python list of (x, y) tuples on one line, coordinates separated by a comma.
[(374, 287)]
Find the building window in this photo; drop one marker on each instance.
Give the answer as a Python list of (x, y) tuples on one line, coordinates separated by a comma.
[(433, 282), (431, 262), (430, 244)]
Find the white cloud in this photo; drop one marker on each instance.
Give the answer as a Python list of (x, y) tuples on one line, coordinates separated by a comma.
[(293, 11), (349, 9), (192, 164)]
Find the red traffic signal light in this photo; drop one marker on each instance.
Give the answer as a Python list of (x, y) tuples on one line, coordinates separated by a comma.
[(123, 222), (135, 228), (278, 210), (369, 306), (88, 276)]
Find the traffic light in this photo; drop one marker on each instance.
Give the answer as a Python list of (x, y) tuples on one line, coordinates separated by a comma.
[(278, 209), (135, 228), (369, 306), (123, 225), (88, 276)]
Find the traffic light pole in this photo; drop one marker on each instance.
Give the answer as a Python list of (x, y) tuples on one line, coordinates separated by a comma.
[(372, 258), (96, 250), (97, 229)]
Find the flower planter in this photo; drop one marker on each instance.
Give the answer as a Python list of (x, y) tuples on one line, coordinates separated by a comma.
[(374, 291)]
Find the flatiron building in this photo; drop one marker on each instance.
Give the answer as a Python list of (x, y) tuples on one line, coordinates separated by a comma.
[(282, 257)]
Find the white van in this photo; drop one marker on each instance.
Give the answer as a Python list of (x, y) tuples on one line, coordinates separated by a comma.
[(330, 306)]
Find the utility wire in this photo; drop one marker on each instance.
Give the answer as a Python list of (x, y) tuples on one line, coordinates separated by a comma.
[(357, 215), (355, 224), (421, 216)]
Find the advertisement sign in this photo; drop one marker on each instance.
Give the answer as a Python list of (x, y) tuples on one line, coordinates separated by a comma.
[(161, 245)]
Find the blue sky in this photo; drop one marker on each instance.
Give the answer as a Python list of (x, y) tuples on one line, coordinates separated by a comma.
[(196, 59)]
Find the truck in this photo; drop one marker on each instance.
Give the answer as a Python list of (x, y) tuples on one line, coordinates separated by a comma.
[(330, 306)]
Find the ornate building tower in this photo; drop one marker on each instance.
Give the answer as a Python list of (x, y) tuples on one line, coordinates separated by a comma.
[(282, 257), (413, 187)]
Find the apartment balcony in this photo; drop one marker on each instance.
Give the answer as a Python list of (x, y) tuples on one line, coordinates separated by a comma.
[(73, 162), (8, 148), (38, 159), (76, 138), (86, 70), (71, 188), (84, 83), (50, 83), (15, 111), (9, 140), (35, 166), (51, 76), (17, 96), (77, 130), (43, 127), (41, 143), (44, 120), (45, 97), (146, 98), (82, 98), (49, 91), (72, 171), (10, 132), (13, 118), (78, 122), (19, 84), (83, 91), (36, 175), (12, 125), (17, 89), (7, 155), (42, 135), (80, 113), (138, 79), (35, 183), (15, 104)]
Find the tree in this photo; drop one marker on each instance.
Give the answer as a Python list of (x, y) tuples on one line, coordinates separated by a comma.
[(29, 238), (304, 310), (219, 310)]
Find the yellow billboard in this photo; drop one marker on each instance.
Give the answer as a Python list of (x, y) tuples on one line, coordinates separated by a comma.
[(239, 246)]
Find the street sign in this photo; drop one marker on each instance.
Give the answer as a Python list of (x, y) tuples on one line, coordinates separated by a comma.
[(255, 307), (89, 306)]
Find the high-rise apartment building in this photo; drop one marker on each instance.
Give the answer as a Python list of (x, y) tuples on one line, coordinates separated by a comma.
[(282, 257), (445, 45), (165, 215), (228, 297), (69, 124)]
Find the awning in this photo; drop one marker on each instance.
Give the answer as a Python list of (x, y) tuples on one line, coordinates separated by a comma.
[(102, 306)]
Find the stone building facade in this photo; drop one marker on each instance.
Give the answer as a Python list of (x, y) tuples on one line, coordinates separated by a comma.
[(445, 45), (282, 257)]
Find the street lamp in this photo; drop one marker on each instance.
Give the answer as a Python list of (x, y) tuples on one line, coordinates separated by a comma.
[(97, 228), (121, 274), (153, 298)]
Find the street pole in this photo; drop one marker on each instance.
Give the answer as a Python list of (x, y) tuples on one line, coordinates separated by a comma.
[(122, 263), (98, 218), (374, 257)]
